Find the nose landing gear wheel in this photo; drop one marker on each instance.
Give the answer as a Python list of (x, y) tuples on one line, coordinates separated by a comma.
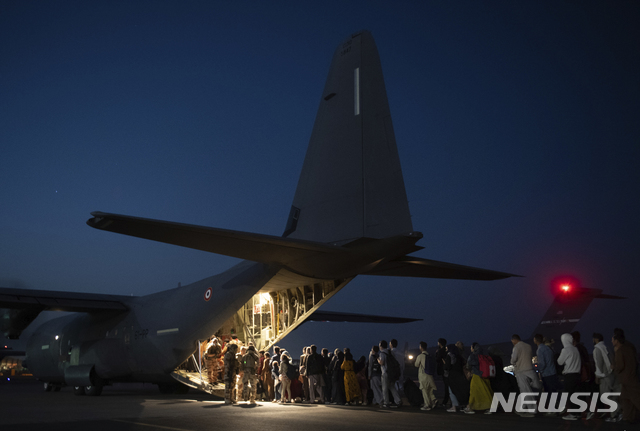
[(78, 390)]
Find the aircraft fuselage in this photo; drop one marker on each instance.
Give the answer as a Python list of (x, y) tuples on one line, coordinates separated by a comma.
[(148, 341)]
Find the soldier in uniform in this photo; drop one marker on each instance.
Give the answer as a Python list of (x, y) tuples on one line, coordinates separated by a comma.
[(203, 352), (211, 358), (239, 390), (249, 365), (230, 371)]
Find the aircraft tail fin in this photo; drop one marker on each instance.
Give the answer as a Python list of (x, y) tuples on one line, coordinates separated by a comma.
[(566, 310), (351, 183)]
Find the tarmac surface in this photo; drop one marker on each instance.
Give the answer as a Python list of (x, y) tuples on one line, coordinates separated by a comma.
[(25, 406)]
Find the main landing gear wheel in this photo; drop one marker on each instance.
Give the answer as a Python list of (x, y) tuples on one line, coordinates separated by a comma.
[(48, 387), (93, 391), (78, 390)]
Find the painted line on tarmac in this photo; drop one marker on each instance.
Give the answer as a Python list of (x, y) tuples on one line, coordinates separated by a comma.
[(149, 425)]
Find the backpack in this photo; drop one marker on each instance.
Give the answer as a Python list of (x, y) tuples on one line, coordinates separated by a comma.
[(429, 364), (393, 367), (249, 361), (487, 366), (375, 367), (315, 364)]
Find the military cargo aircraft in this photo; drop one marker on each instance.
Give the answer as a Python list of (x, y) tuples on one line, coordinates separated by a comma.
[(349, 216)]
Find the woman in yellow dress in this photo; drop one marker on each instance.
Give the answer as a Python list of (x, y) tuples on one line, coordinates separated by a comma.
[(351, 385)]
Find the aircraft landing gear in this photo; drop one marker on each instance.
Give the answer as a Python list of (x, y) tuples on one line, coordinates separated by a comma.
[(48, 387), (93, 391)]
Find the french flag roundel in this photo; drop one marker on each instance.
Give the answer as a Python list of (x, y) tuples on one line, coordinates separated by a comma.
[(207, 294)]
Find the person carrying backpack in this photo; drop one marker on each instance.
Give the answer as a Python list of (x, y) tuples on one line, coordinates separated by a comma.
[(249, 366), (399, 356), (480, 393), (546, 366), (389, 367), (230, 371), (426, 369), (375, 375), (286, 370)]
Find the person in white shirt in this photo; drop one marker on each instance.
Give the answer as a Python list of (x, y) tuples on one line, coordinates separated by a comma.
[(521, 359), (570, 359)]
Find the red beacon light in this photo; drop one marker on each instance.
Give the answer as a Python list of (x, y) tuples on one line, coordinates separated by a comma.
[(565, 286)]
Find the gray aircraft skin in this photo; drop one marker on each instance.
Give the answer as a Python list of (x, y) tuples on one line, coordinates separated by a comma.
[(350, 216)]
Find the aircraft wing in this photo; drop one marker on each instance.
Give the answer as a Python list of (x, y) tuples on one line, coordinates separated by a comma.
[(409, 266), (60, 301), (20, 307), (337, 316)]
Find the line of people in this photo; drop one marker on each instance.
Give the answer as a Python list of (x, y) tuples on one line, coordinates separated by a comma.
[(324, 377), (469, 382), (607, 373), (319, 378)]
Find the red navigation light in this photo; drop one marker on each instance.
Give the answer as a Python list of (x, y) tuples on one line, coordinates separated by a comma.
[(565, 285)]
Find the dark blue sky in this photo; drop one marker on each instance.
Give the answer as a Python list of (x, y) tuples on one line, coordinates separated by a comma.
[(518, 128)]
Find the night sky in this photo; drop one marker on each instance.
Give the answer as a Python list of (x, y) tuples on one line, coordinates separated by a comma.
[(517, 123)]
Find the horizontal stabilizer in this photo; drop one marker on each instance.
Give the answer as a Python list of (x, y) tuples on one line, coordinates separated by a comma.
[(409, 266), (336, 316), (606, 296), (243, 245), (304, 257)]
